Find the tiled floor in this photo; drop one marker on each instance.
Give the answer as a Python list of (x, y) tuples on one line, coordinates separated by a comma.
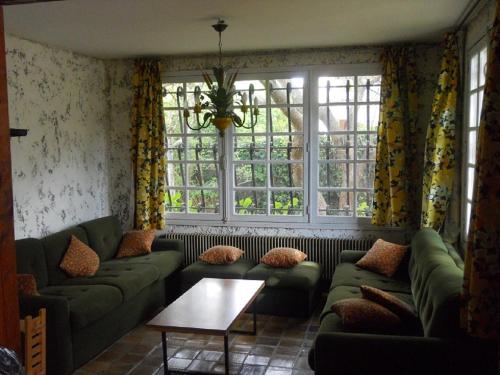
[(280, 348)]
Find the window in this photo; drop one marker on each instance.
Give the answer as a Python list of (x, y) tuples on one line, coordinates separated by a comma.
[(268, 172), (477, 75), (348, 111)]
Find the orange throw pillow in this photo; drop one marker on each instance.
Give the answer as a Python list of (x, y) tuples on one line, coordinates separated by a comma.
[(26, 284), (362, 315), (384, 258), (79, 260), (136, 242), (221, 255), (283, 257), (390, 302)]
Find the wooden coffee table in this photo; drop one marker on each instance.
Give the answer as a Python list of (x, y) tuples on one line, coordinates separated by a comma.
[(210, 307)]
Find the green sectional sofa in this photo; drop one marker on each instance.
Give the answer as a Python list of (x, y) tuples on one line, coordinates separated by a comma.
[(431, 282), (85, 315), (288, 291)]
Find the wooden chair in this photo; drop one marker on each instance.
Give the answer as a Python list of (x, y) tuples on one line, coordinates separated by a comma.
[(35, 338)]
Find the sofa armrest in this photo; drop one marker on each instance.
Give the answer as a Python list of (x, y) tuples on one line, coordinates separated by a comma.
[(357, 353), (59, 338), (351, 256), (165, 244)]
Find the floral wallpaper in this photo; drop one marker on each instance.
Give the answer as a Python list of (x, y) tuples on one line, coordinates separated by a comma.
[(60, 170)]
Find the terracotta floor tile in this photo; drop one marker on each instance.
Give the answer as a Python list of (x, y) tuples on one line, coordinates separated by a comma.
[(282, 361), (200, 366), (179, 363), (209, 355), (263, 350), (187, 353), (278, 371), (252, 370), (257, 360)]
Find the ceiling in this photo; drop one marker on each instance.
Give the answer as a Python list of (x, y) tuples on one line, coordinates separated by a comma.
[(130, 28)]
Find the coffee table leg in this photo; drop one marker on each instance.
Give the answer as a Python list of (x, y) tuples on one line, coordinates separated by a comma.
[(226, 354), (164, 348)]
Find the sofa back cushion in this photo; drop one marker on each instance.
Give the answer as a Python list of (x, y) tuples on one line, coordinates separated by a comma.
[(436, 284), (30, 258), (55, 246), (104, 236)]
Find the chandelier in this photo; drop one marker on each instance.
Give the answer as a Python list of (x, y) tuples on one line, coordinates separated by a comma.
[(219, 101)]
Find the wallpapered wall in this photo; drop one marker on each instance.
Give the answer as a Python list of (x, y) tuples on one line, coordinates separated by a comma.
[(75, 163), (61, 169), (120, 72)]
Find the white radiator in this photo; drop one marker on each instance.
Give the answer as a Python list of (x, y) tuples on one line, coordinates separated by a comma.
[(325, 251)]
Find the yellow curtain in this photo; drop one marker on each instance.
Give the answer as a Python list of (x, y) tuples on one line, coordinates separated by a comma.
[(148, 146), (439, 164), (481, 312), (394, 196)]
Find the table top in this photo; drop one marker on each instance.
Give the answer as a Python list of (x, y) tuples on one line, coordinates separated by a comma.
[(211, 306)]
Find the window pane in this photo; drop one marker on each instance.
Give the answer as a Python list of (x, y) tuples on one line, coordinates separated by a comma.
[(203, 201), (374, 80), (170, 94), (483, 56), (336, 175), (175, 201), (341, 89), (362, 118), (250, 202), (336, 147), (260, 126), (473, 110), (368, 93), (365, 175), (335, 118), (374, 117), (202, 174), (472, 147), (473, 71), (259, 87), (366, 147), (335, 203), (468, 210), (287, 203), (287, 175), (250, 175), (480, 106), (173, 122), (202, 148), (175, 174), (249, 148), (284, 147), (280, 123), (364, 204), (278, 90), (470, 182)]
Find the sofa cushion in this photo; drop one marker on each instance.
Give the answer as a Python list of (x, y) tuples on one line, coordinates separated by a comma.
[(304, 276), (166, 262), (136, 242), (79, 260), (283, 257), (198, 270), (403, 310), (348, 274), (87, 303), (383, 257), (130, 279), (343, 292), (26, 284), (104, 236), (221, 254), (55, 246), (436, 283), (30, 258)]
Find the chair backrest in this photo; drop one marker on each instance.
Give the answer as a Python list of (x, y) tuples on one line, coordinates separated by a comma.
[(436, 281)]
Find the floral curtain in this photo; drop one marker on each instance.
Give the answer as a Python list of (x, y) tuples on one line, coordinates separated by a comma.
[(481, 312), (148, 146), (439, 164), (394, 196)]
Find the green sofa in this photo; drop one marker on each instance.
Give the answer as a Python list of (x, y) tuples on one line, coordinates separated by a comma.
[(85, 315), (430, 281)]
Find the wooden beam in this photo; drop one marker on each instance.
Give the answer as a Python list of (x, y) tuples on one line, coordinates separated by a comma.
[(9, 305)]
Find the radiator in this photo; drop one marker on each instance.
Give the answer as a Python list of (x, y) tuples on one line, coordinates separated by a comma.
[(325, 251)]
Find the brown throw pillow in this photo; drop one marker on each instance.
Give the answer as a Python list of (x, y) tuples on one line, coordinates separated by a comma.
[(390, 302), (79, 260), (136, 242), (384, 257), (362, 315), (283, 257), (221, 255), (26, 284)]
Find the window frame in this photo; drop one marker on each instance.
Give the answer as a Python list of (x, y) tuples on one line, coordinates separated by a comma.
[(310, 219), (471, 52)]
